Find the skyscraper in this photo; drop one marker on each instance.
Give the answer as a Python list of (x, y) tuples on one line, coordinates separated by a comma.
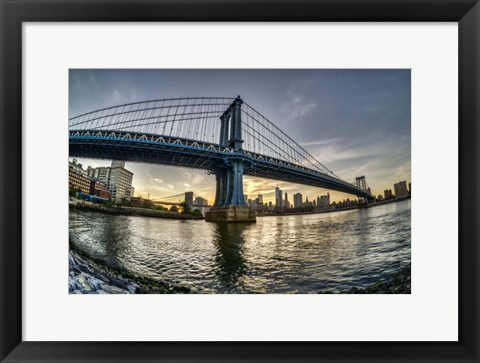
[(400, 189), (388, 194), (297, 200), (324, 200), (286, 203), (278, 198)]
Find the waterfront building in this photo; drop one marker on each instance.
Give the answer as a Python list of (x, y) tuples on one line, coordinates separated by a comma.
[(78, 181), (400, 189), (99, 189), (200, 202), (346, 203), (101, 173), (388, 194), (307, 203), (77, 167), (297, 200), (118, 164), (132, 191), (260, 199), (120, 182), (117, 179), (141, 202)]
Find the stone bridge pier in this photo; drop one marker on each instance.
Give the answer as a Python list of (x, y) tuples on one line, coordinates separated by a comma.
[(230, 205)]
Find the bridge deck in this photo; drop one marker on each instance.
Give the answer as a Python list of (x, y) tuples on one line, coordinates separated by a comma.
[(157, 149)]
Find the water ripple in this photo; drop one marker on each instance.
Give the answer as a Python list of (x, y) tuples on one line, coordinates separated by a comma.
[(290, 254)]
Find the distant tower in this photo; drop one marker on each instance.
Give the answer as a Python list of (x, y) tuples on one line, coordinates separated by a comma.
[(286, 203), (189, 198), (361, 182), (278, 197), (297, 200)]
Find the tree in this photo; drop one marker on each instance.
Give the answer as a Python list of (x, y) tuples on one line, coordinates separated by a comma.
[(174, 208), (196, 213), (125, 202), (73, 192), (186, 209)]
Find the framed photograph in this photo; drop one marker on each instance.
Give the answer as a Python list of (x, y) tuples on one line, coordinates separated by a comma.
[(232, 181)]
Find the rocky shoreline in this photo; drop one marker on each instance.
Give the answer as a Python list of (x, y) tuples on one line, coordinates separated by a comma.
[(91, 276), (400, 283)]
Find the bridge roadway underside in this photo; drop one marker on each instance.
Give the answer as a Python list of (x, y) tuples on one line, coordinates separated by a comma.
[(199, 158)]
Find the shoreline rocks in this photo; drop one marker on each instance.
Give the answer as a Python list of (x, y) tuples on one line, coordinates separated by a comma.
[(91, 276), (400, 283)]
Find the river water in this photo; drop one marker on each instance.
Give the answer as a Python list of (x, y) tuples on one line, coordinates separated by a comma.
[(278, 254)]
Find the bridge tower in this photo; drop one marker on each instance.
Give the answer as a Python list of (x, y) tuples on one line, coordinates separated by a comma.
[(229, 205), (361, 183)]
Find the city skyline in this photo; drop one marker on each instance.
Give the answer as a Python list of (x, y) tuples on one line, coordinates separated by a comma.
[(356, 122)]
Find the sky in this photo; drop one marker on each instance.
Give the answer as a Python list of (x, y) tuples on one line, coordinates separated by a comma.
[(354, 121)]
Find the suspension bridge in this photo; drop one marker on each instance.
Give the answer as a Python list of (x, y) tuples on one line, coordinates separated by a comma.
[(190, 198), (225, 136)]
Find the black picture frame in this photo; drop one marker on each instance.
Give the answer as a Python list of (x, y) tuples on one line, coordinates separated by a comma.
[(13, 13)]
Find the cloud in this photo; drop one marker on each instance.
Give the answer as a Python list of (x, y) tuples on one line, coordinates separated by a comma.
[(126, 94), (322, 142), (297, 106), (194, 177)]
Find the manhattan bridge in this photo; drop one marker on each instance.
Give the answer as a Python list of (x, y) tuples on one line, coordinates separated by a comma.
[(224, 136)]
